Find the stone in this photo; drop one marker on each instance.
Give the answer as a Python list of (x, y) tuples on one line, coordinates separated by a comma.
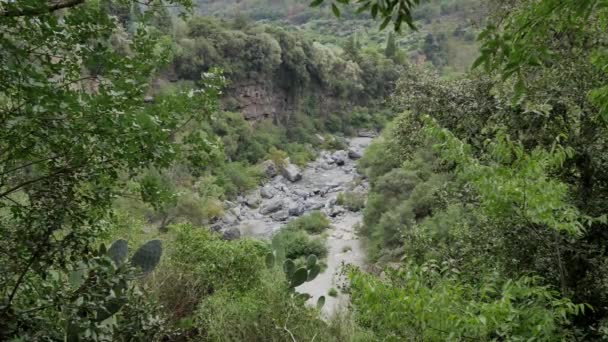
[(296, 208), (314, 205), (340, 157), (367, 133), (335, 211), (230, 219), (301, 193), (253, 200), (281, 215), (267, 192), (354, 153), (232, 233), (271, 207), (292, 172), (269, 169)]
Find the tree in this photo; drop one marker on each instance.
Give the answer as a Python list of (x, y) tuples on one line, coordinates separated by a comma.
[(75, 129), (391, 46)]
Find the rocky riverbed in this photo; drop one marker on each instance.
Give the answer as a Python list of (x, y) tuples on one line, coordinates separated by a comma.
[(292, 192)]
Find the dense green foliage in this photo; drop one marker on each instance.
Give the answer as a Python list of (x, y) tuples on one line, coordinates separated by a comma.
[(121, 125)]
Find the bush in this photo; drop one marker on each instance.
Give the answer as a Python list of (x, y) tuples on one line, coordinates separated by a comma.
[(199, 263), (332, 292), (297, 243), (236, 178), (267, 312), (353, 201), (313, 223), (431, 303)]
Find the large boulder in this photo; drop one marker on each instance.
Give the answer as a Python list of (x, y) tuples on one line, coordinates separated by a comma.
[(292, 172), (269, 169), (301, 193), (267, 192), (231, 233), (280, 215), (354, 153), (296, 208), (339, 157), (367, 133), (271, 207), (252, 200)]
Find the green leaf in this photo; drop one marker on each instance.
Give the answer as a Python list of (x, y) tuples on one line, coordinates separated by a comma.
[(316, 3), (336, 10)]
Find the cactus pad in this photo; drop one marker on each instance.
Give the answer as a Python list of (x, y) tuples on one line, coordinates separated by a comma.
[(313, 272), (289, 268), (270, 260), (320, 302), (299, 277), (148, 256), (311, 261), (118, 251)]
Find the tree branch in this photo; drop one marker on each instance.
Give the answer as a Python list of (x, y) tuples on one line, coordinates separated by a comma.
[(53, 6)]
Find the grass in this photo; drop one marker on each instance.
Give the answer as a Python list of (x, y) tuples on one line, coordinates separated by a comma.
[(313, 223)]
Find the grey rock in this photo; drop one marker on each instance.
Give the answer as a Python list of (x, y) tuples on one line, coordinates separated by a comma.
[(296, 209), (271, 207), (230, 219), (314, 205), (340, 157), (292, 172), (253, 200), (301, 193), (335, 211), (231, 233), (354, 153), (281, 215), (269, 169), (267, 192), (367, 133)]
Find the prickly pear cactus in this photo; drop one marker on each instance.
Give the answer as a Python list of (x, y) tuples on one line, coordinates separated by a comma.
[(148, 256), (119, 251), (313, 272), (270, 260), (299, 277), (311, 261), (320, 302), (289, 267)]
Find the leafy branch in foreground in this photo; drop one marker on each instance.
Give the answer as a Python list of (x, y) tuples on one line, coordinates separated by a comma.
[(395, 11)]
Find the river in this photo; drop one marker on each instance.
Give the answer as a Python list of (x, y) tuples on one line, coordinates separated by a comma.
[(264, 211)]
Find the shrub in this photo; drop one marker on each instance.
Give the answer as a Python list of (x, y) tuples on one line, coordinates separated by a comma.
[(313, 223), (431, 303), (267, 312), (236, 178), (353, 201), (332, 292), (200, 263), (297, 243)]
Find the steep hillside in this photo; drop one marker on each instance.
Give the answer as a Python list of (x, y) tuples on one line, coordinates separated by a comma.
[(445, 37)]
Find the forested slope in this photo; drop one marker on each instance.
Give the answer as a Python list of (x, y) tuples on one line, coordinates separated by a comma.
[(129, 130)]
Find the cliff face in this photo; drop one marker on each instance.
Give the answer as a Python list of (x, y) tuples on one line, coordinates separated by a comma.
[(258, 100)]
